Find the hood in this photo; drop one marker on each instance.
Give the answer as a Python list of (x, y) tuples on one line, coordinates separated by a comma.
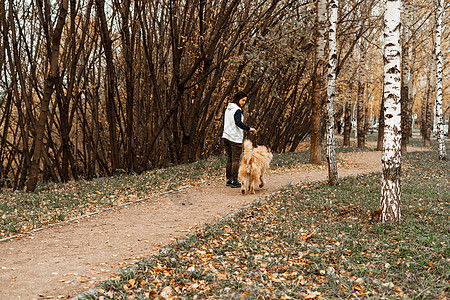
[(232, 105)]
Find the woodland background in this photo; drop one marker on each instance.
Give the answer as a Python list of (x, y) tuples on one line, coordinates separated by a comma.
[(95, 87)]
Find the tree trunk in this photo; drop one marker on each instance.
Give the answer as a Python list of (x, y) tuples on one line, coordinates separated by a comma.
[(405, 77), (127, 33), (348, 120), (331, 94), (49, 85), (439, 66), (110, 85), (348, 106), (391, 158), (429, 104), (315, 147), (411, 95), (316, 143), (360, 128), (381, 121)]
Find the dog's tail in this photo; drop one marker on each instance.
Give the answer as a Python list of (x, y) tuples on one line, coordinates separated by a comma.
[(247, 155), (248, 146)]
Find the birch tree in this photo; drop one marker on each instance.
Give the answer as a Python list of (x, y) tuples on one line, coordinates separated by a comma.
[(391, 157), (439, 63), (331, 90)]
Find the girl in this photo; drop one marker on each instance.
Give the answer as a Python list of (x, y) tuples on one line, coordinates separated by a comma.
[(233, 135)]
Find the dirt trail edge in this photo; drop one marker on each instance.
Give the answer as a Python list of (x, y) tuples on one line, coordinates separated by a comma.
[(62, 261)]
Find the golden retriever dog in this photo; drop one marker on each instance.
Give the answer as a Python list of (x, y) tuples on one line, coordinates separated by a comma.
[(254, 162)]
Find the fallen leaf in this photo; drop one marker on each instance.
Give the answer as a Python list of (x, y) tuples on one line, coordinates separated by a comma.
[(132, 282), (221, 277), (166, 292), (311, 295)]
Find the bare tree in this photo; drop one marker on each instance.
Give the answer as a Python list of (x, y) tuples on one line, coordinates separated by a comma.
[(111, 109), (53, 40)]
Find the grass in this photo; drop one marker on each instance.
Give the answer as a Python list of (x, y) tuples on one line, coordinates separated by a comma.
[(311, 242)]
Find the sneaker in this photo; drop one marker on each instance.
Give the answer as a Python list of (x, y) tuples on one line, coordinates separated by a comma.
[(235, 184), (229, 182)]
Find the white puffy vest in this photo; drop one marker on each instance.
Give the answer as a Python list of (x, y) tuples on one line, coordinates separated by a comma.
[(230, 130)]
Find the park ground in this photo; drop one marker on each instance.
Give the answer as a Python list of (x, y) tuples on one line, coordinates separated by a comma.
[(295, 238)]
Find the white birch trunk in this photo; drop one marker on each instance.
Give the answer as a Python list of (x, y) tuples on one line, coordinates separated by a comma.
[(439, 66), (331, 93), (322, 19), (391, 157)]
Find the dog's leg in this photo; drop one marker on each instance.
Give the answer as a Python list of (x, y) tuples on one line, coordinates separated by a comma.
[(252, 186), (244, 184), (261, 178)]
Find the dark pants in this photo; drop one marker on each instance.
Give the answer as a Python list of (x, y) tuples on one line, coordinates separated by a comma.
[(233, 151)]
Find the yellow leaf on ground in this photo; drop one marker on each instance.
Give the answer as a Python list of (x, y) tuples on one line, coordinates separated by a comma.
[(311, 295), (132, 282)]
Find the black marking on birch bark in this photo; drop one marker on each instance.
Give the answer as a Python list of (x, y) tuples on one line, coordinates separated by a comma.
[(393, 70), (393, 173)]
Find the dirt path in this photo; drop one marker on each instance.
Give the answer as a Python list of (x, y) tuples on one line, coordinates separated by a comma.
[(62, 261)]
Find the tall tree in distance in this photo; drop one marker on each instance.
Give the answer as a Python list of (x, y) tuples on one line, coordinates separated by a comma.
[(111, 110), (348, 105), (381, 120), (360, 102), (315, 148), (331, 93), (391, 157), (405, 75), (428, 103), (439, 66)]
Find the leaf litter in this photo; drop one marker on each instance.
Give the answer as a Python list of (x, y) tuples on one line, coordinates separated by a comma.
[(305, 242), (297, 244)]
